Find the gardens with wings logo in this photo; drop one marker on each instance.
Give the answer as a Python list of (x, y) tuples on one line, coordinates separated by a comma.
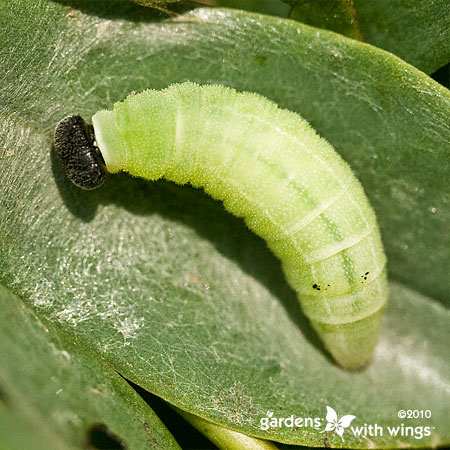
[(337, 424), (340, 425)]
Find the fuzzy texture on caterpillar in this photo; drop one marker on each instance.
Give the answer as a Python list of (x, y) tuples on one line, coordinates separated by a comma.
[(268, 166)]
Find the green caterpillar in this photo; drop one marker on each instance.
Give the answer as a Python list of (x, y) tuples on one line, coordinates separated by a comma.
[(268, 166)]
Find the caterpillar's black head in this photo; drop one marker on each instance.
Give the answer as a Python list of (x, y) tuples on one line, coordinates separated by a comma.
[(79, 156)]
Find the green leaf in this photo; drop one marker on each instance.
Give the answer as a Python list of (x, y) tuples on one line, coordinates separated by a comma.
[(156, 3), (334, 15), (54, 395), (415, 30), (226, 439), (167, 287), (272, 7)]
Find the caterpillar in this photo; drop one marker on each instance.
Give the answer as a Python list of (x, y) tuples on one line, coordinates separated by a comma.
[(269, 167)]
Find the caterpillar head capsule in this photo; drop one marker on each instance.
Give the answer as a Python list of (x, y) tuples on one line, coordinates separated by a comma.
[(79, 156)]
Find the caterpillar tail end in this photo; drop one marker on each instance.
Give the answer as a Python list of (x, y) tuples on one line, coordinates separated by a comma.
[(351, 344)]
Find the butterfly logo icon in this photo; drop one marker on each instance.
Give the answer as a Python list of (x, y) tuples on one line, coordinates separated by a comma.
[(335, 424)]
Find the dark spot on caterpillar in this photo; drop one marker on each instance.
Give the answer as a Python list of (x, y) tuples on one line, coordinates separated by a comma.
[(367, 273), (79, 156), (100, 437), (316, 286)]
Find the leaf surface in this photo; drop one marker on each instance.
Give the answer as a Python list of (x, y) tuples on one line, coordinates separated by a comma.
[(334, 15), (166, 286), (416, 30), (54, 395)]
